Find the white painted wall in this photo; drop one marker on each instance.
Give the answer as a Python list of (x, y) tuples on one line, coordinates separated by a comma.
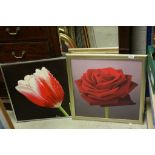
[(103, 36), (107, 36)]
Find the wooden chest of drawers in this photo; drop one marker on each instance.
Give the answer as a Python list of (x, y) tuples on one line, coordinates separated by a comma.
[(21, 43)]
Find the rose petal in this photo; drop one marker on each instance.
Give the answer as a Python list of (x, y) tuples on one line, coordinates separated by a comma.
[(104, 85), (119, 102), (109, 84), (126, 87), (115, 102), (89, 77)]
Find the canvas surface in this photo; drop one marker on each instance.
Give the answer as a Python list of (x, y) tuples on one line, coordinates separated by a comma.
[(25, 109)]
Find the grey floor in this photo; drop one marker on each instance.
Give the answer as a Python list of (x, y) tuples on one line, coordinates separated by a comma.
[(68, 123)]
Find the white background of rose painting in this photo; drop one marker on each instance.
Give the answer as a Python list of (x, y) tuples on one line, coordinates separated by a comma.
[(82, 108)]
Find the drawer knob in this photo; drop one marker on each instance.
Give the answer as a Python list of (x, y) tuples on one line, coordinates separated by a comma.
[(13, 33), (19, 56)]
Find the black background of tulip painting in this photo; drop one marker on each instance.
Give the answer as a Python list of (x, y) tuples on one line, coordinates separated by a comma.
[(24, 109)]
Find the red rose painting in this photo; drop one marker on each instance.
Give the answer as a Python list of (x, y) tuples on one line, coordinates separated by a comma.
[(106, 87)]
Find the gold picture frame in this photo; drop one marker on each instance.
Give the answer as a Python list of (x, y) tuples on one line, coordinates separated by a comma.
[(5, 121), (106, 50), (67, 40), (78, 62)]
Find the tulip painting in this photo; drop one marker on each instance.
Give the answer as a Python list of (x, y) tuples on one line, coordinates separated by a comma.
[(42, 89)]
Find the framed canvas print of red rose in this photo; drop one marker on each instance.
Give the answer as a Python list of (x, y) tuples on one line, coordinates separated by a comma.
[(107, 87)]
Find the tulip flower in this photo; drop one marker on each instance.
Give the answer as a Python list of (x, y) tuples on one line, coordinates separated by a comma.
[(42, 89)]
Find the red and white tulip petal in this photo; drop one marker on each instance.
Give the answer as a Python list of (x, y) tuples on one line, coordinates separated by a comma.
[(34, 86), (31, 95), (38, 88), (58, 90), (42, 88), (47, 76), (43, 74), (23, 83), (54, 85), (47, 93)]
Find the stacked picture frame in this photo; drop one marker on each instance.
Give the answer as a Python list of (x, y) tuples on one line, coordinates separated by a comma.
[(106, 87), (5, 121), (151, 82), (39, 89), (96, 84)]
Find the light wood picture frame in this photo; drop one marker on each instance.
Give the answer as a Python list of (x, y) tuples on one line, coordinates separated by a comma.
[(106, 50), (5, 121), (123, 101)]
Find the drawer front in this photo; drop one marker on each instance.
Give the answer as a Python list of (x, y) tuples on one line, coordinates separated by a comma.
[(11, 52), (21, 33)]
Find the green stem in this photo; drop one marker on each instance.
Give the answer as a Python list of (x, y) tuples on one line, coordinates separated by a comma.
[(63, 111), (106, 112)]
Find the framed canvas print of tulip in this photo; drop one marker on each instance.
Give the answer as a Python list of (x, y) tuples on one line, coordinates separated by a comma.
[(38, 89), (5, 121), (107, 87)]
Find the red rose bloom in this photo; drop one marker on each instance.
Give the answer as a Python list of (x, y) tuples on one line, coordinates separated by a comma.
[(106, 87)]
